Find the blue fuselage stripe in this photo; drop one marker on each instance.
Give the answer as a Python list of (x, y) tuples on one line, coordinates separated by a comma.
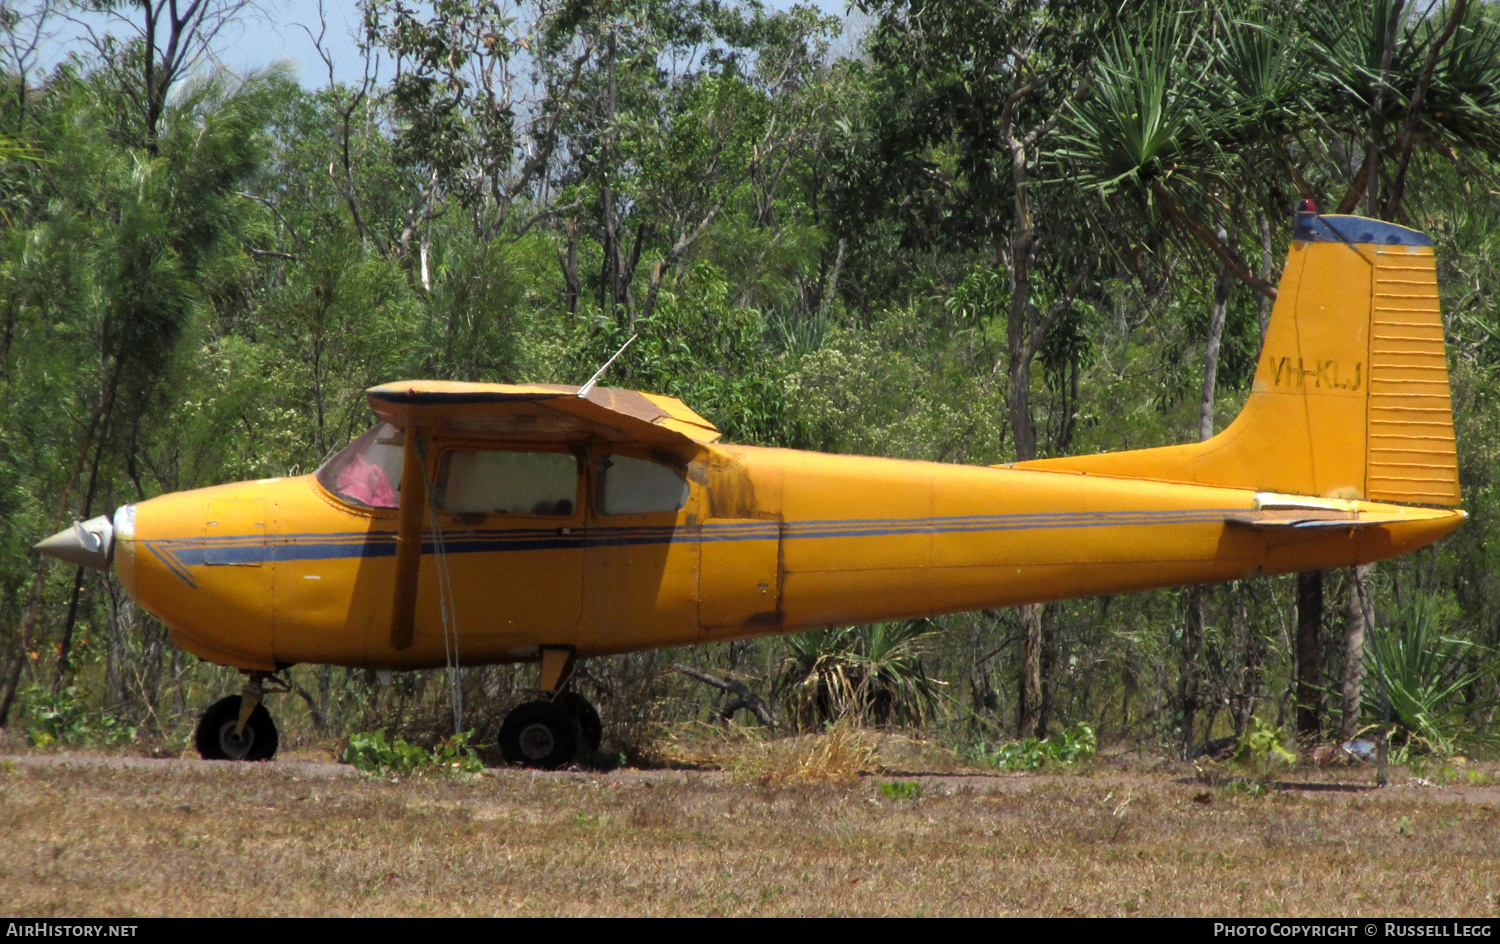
[(178, 554)]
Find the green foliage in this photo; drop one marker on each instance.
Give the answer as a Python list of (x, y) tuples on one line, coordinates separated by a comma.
[(1255, 789), (899, 389), (62, 718), (1144, 117), (1075, 745), (372, 753), (901, 790), (1261, 750)]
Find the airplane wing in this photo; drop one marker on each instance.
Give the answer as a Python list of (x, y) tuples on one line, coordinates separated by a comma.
[(539, 412)]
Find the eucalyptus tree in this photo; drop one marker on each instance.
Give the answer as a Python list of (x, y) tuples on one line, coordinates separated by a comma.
[(966, 106), (730, 134), (691, 114), (117, 253), (152, 45), (477, 112)]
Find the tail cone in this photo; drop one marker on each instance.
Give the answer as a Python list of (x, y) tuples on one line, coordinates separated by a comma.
[(87, 544)]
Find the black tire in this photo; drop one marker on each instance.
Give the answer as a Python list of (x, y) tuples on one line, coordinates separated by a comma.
[(590, 727), (539, 734), (215, 737)]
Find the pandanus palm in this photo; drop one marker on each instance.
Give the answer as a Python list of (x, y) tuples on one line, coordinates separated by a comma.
[(868, 674), (1185, 111), (1429, 686), (1391, 83)]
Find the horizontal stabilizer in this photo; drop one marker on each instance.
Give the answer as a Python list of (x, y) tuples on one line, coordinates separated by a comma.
[(1290, 514), (1310, 519)]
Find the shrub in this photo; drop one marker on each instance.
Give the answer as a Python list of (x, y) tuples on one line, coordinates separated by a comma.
[(901, 790), (62, 719), (867, 674)]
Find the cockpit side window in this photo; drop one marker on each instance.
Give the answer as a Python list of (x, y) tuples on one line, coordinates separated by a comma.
[(636, 486), (367, 471), (471, 481)]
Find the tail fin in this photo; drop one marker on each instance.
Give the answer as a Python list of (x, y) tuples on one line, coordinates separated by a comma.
[(1350, 398)]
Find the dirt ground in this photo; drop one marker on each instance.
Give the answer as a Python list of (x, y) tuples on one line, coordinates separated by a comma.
[(104, 836)]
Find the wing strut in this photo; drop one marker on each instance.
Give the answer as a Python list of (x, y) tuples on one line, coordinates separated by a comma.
[(408, 542)]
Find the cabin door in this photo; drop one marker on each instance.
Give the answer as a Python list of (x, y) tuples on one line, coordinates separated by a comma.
[(513, 539)]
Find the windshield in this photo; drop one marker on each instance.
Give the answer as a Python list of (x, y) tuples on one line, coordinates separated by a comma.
[(368, 470)]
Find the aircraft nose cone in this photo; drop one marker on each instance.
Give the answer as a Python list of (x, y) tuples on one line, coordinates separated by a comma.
[(87, 544)]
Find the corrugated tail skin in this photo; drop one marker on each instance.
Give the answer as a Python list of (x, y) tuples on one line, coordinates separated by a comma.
[(1350, 398)]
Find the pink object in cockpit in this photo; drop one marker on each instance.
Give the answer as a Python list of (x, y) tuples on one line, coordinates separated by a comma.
[(364, 481)]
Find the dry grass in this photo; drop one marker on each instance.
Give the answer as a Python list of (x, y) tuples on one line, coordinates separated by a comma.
[(837, 757), (755, 755), (177, 838)]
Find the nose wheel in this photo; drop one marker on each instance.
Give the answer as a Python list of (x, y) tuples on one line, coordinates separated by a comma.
[(239, 727), (220, 736)]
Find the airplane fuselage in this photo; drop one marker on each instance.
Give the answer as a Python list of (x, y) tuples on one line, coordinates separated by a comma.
[(266, 574)]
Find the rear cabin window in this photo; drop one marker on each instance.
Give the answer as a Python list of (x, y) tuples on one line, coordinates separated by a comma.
[(507, 483), (367, 471), (635, 486)]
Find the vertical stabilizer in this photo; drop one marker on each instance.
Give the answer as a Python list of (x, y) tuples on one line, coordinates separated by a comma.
[(1350, 398)]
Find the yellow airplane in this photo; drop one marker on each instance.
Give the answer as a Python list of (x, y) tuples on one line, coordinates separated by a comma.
[(541, 523)]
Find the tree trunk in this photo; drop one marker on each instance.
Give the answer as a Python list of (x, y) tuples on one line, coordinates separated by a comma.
[(1360, 616), (1022, 319), (1377, 106), (652, 289), (610, 281), (830, 290), (1266, 262), (1028, 694), (1047, 678), (1309, 655), (569, 262), (1188, 682), (1211, 355), (1250, 668)]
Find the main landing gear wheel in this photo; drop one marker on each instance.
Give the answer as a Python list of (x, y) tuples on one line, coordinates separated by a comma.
[(590, 728), (216, 738), (539, 734)]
